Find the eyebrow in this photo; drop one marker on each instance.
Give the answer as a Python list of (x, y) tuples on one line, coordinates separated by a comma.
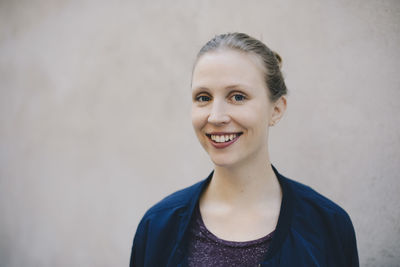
[(230, 87), (199, 89)]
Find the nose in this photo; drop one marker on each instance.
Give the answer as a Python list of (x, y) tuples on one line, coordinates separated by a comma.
[(218, 114)]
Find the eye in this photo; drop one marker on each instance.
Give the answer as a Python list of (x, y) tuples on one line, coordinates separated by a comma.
[(238, 97), (202, 98)]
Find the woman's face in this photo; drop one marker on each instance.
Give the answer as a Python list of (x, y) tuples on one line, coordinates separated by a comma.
[(231, 110)]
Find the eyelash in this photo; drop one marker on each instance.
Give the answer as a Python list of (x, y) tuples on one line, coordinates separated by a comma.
[(198, 98)]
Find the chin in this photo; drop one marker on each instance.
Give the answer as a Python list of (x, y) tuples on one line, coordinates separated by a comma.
[(223, 161)]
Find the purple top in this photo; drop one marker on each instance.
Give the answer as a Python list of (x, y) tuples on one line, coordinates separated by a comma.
[(206, 249)]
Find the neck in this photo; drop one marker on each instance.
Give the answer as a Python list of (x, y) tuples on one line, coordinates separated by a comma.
[(247, 184)]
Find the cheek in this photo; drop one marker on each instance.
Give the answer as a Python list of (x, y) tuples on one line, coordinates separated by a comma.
[(199, 118), (253, 117)]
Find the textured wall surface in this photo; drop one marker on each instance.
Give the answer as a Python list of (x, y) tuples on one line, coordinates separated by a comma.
[(95, 116)]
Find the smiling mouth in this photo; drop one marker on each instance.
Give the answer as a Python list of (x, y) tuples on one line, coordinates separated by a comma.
[(223, 138)]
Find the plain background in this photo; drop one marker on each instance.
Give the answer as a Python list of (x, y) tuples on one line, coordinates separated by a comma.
[(95, 116)]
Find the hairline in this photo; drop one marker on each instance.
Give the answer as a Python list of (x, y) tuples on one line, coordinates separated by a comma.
[(256, 58)]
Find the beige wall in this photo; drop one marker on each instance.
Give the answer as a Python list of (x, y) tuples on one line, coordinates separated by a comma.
[(95, 116)]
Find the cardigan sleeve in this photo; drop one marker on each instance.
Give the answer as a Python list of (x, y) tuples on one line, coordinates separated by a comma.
[(138, 246), (350, 243), (133, 256)]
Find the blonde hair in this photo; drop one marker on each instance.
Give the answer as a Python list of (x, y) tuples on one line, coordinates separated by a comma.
[(271, 60)]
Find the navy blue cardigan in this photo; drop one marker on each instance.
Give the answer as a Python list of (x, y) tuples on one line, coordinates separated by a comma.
[(311, 230)]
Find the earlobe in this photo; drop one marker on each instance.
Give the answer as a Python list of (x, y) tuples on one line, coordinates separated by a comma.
[(278, 110)]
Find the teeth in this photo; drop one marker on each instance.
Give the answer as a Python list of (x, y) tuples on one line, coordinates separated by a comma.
[(223, 138)]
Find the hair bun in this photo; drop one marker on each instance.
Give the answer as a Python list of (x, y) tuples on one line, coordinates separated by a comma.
[(278, 58)]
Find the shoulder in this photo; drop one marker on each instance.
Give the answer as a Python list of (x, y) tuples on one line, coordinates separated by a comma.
[(168, 211), (175, 201), (308, 197), (320, 224), (317, 216), (314, 210), (161, 225)]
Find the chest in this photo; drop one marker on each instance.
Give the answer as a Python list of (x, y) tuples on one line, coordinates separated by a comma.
[(237, 225)]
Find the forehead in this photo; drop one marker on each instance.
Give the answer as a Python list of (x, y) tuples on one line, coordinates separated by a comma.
[(224, 67)]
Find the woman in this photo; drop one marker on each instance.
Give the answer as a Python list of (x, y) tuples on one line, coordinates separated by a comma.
[(245, 213)]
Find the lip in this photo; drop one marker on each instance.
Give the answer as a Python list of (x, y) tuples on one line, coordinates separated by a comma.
[(225, 144)]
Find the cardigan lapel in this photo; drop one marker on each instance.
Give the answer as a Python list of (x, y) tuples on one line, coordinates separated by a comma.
[(178, 254)]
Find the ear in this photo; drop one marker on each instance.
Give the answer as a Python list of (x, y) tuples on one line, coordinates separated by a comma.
[(278, 109)]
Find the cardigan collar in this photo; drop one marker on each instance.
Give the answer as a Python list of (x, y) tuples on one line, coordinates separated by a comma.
[(281, 231)]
